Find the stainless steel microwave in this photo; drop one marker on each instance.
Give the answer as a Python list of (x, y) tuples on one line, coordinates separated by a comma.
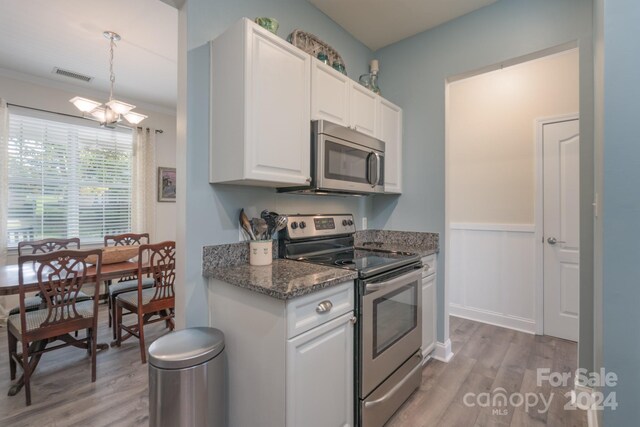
[(343, 161)]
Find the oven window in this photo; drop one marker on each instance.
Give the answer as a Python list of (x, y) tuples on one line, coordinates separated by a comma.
[(394, 316), (345, 163)]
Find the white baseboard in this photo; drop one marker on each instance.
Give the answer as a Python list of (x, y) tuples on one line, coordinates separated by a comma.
[(493, 318), (443, 352), (592, 414)]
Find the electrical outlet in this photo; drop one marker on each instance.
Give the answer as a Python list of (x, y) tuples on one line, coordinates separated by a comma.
[(364, 223)]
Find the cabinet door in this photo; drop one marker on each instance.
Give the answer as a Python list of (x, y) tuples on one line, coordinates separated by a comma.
[(428, 314), (329, 94), (277, 100), (320, 375), (390, 131), (363, 109)]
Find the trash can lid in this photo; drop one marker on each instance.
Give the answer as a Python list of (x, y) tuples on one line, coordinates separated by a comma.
[(186, 348)]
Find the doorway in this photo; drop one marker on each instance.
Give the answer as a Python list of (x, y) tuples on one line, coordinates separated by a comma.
[(493, 214)]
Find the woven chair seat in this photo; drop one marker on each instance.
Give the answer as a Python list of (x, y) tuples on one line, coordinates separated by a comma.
[(35, 318), (129, 285), (30, 304), (33, 303), (132, 297)]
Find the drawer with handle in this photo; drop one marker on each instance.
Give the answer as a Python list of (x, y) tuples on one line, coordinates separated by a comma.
[(312, 310), (429, 265)]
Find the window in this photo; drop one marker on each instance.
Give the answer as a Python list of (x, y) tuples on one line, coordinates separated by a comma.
[(67, 179)]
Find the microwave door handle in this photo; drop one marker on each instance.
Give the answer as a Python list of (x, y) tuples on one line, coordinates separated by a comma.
[(378, 168), (371, 177), (369, 168)]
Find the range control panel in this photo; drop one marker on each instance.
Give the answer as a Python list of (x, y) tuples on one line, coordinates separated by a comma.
[(306, 226)]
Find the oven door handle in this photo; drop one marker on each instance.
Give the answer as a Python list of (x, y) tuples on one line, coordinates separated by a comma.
[(372, 287), (396, 387)]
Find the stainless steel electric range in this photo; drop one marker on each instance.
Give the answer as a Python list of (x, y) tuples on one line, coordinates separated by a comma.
[(388, 307)]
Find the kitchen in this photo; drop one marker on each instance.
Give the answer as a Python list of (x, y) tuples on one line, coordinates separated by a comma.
[(413, 76)]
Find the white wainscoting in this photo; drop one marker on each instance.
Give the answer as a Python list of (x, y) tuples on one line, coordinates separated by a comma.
[(492, 274)]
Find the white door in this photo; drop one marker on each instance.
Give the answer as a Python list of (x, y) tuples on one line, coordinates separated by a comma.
[(561, 161), (320, 375)]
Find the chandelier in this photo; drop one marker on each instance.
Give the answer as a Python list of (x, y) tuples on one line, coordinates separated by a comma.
[(112, 111)]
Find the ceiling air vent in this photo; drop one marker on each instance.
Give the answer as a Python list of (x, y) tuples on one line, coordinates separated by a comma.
[(72, 74)]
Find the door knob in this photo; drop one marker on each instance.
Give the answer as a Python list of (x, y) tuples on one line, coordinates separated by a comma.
[(553, 241)]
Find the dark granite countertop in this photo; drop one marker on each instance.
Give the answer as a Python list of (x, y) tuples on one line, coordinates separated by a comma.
[(284, 279), (420, 243)]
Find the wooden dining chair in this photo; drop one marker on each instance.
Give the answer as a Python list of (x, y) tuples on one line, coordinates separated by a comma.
[(125, 284), (44, 246), (61, 275), (150, 305)]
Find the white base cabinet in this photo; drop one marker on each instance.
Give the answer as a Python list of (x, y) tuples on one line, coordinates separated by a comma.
[(429, 305), (288, 365), (260, 109), (320, 375)]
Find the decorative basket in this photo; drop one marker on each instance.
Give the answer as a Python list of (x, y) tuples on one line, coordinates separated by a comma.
[(313, 46), (115, 254)]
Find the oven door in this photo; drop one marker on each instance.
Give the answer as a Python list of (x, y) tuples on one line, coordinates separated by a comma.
[(391, 327), (345, 166)]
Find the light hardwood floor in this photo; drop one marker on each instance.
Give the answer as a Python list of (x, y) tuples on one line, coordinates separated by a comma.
[(487, 357), (62, 393)]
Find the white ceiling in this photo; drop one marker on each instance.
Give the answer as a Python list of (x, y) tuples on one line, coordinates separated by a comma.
[(38, 35), (378, 23)]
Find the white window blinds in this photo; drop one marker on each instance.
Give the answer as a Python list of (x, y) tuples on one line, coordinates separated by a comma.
[(67, 180)]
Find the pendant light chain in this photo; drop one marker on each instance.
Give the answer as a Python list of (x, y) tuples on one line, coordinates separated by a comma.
[(112, 76), (111, 112)]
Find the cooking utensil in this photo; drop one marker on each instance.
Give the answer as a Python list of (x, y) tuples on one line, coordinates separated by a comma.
[(270, 217), (281, 223), (246, 224), (260, 228)]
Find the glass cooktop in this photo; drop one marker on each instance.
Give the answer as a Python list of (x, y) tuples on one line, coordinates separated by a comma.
[(366, 262)]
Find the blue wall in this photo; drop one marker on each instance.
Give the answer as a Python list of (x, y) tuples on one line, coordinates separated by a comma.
[(413, 74), (621, 210), (212, 210)]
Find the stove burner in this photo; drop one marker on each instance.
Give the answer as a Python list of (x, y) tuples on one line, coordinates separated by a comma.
[(344, 262)]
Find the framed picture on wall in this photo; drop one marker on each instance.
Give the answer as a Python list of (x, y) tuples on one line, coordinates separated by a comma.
[(166, 184)]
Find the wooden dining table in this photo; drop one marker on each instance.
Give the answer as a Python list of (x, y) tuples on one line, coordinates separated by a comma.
[(10, 285), (9, 281)]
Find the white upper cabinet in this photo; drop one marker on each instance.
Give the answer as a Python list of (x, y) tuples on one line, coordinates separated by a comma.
[(363, 109), (390, 131), (329, 94), (260, 109), (338, 99)]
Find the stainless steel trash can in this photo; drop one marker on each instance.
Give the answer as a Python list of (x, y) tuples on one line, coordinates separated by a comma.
[(187, 379)]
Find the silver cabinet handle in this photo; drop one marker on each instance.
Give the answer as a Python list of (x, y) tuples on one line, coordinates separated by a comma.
[(308, 179), (553, 241), (353, 320), (427, 267), (324, 307)]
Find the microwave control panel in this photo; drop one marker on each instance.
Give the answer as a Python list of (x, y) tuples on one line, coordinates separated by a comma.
[(306, 226)]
